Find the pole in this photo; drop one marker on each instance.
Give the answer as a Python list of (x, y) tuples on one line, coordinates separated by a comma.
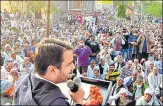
[(68, 4), (48, 20)]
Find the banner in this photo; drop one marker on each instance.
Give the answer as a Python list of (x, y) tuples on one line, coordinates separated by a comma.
[(104, 2)]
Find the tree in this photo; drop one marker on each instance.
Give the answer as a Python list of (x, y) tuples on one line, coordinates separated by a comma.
[(153, 8), (40, 6), (121, 10)]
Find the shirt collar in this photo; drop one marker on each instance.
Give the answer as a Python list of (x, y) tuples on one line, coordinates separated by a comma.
[(36, 75)]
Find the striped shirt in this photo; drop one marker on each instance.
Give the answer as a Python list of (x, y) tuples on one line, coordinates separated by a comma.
[(125, 72)]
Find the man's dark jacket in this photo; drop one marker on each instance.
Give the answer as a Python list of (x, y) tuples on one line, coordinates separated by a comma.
[(31, 90)]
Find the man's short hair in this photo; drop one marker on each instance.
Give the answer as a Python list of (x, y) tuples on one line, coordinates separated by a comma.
[(50, 52)]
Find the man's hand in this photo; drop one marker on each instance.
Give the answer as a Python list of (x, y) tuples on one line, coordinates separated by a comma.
[(134, 43), (78, 46), (93, 54), (161, 98), (78, 96)]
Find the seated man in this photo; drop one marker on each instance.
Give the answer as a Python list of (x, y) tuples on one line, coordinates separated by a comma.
[(147, 99), (91, 67), (126, 71), (97, 74), (120, 63), (115, 90), (16, 59), (103, 66), (129, 81), (26, 67), (124, 98), (139, 87), (112, 73), (154, 78)]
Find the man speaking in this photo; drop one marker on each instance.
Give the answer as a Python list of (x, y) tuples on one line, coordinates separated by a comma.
[(53, 63)]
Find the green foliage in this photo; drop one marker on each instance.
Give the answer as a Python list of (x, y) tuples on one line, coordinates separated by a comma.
[(121, 10), (53, 7), (40, 6), (14, 9), (110, 17), (153, 8)]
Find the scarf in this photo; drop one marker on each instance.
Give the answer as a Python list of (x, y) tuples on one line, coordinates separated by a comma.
[(149, 103), (117, 45)]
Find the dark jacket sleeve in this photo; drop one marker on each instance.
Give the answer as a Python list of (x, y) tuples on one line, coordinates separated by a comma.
[(60, 101)]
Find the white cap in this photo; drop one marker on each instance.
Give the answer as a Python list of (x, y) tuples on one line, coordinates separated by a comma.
[(123, 90), (149, 90)]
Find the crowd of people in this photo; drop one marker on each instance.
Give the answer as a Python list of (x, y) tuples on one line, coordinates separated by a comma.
[(129, 55)]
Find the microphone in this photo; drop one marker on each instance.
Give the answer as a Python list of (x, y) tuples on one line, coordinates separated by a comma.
[(72, 86), (72, 76), (77, 81)]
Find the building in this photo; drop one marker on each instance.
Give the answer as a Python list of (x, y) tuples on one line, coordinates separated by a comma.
[(71, 5)]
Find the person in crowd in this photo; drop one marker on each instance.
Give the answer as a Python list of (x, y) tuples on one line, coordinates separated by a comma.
[(125, 44), (91, 67), (103, 66), (154, 78), (120, 63), (126, 70), (112, 73), (133, 48), (48, 74), (7, 51), (135, 64), (33, 45), (129, 81), (94, 45), (116, 90), (144, 46), (140, 71), (149, 68), (26, 67), (7, 87), (27, 50), (98, 57), (124, 98), (6, 69), (97, 74), (142, 62), (148, 98), (139, 87), (159, 92), (32, 57), (18, 48), (109, 59), (116, 43), (83, 52), (15, 58)]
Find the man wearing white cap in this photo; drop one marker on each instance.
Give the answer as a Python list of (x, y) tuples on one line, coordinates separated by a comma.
[(154, 78), (124, 98), (148, 98), (116, 90)]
